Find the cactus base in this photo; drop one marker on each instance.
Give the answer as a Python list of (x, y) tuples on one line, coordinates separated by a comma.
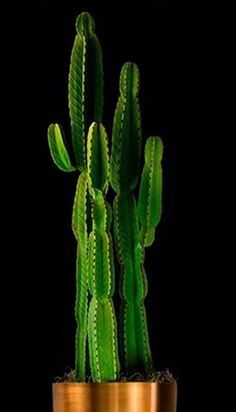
[(115, 397)]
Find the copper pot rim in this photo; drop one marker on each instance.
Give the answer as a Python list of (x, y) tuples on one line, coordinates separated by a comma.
[(129, 383), (141, 396)]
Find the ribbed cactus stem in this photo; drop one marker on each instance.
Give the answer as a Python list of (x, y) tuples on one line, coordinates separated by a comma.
[(130, 242), (135, 352), (150, 193), (102, 329), (58, 148), (85, 105), (127, 132), (85, 85), (80, 228)]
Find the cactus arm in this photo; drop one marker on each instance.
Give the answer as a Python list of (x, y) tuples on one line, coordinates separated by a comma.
[(129, 80), (97, 157), (125, 156), (93, 70), (101, 269), (79, 226), (135, 350), (81, 310), (95, 86), (116, 144), (127, 133), (77, 99), (102, 340), (80, 205), (58, 150), (94, 359), (129, 248), (102, 328), (150, 194), (85, 85)]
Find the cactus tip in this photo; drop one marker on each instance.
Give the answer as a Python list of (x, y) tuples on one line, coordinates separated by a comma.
[(129, 70), (155, 141), (85, 22)]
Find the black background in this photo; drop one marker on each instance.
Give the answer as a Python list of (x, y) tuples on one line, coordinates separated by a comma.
[(165, 39)]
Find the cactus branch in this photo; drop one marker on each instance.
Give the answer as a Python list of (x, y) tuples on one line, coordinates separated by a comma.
[(136, 353), (135, 345), (80, 229), (127, 133), (58, 148), (97, 157), (129, 239), (150, 194), (102, 340), (102, 329), (85, 85)]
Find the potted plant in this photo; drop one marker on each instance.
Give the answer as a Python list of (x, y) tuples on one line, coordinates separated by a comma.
[(113, 366)]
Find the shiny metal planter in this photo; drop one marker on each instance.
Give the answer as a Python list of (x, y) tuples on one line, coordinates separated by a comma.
[(115, 397)]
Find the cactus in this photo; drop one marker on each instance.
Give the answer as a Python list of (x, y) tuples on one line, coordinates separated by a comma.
[(89, 209), (134, 221), (85, 85), (102, 336), (133, 234)]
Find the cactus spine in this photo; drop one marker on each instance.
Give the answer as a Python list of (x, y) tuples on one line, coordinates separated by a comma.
[(134, 222)]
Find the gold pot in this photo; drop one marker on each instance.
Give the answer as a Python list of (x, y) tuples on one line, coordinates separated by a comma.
[(115, 397)]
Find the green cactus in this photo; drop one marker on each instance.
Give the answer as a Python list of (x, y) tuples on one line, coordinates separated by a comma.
[(102, 335), (80, 220), (130, 237), (90, 211), (127, 133), (85, 85), (134, 221), (149, 205)]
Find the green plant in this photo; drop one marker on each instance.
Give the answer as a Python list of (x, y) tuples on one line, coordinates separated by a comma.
[(134, 222)]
